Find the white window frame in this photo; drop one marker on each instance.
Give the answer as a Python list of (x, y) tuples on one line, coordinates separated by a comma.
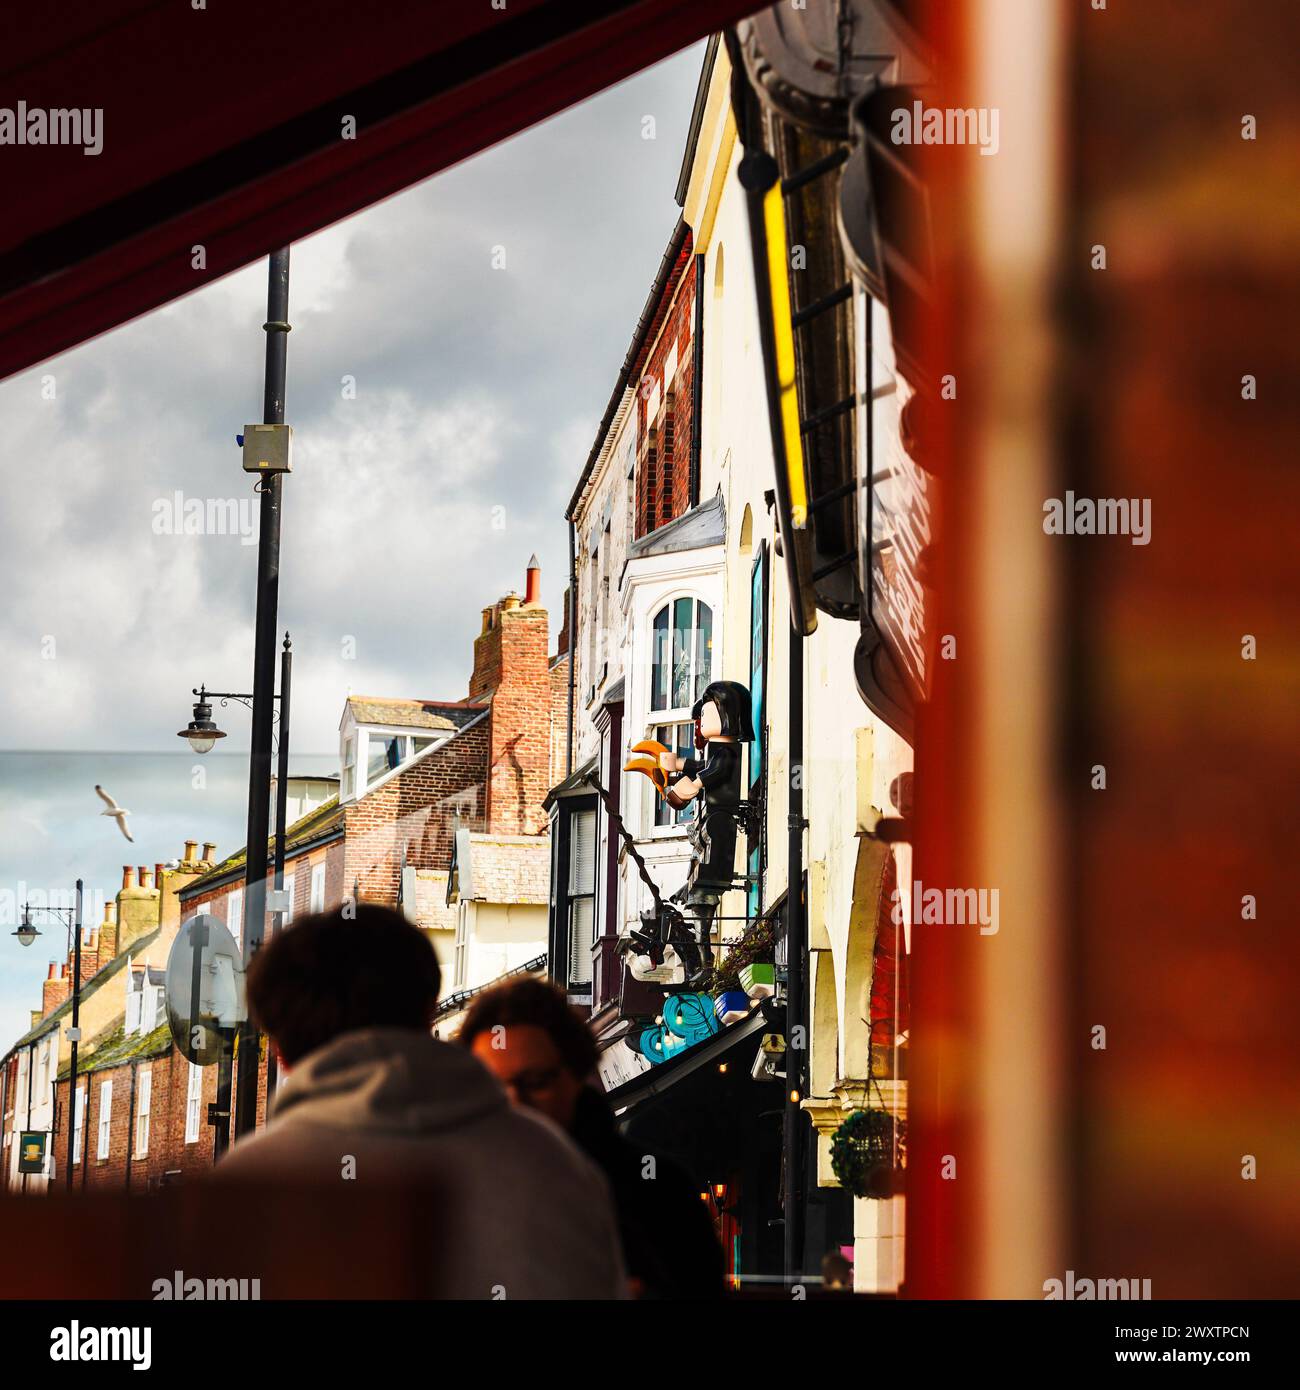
[(657, 719), (581, 958), (104, 1128), (235, 915), (460, 954), (80, 1122), (193, 1103), (288, 888), (316, 903), (348, 785), (144, 1103)]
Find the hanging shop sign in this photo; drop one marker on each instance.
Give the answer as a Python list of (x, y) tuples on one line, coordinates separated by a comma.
[(31, 1150)]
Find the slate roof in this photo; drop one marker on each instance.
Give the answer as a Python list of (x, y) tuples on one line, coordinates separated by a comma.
[(315, 825), (445, 715), (112, 1047)]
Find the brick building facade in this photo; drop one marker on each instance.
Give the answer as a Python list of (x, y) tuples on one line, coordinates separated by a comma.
[(665, 378)]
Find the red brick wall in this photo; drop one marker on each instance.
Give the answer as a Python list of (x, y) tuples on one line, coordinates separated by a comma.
[(519, 759), (664, 441), (167, 1150), (416, 807)]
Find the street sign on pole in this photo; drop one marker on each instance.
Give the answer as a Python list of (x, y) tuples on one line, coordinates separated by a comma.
[(204, 988)]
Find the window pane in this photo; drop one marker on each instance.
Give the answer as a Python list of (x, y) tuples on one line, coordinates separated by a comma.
[(682, 653), (384, 755), (659, 656), (703, 649), (681, 739)]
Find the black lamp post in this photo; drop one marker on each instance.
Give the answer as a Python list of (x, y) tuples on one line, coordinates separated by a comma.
[(202, 733), (26, 933)]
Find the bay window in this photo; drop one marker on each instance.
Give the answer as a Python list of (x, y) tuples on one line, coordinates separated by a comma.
[(681, 667)]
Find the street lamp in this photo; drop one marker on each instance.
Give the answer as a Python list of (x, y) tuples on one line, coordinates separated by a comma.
[(201, 732), (27, 933)]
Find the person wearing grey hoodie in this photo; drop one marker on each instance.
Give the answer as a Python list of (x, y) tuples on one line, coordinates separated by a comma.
[(371, 1097)]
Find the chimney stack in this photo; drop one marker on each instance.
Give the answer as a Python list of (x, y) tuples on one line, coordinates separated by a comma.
[(55, 989), (533, 583), (105, 935)]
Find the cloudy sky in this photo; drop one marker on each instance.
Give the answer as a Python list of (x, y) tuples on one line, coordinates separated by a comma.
[(416, 498)]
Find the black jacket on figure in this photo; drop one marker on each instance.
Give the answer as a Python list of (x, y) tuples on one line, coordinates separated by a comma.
[(669, 1244)]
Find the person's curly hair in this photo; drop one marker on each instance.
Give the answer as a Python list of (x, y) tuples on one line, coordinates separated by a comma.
[(528, 1000)]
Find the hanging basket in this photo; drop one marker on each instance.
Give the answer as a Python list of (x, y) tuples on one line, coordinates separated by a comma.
[(867, 1154)]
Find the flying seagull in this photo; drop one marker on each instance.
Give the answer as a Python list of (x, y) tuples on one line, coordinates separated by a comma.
[(114, 810)]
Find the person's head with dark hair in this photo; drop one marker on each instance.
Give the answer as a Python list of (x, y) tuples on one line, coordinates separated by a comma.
[(526, 1033), (837, 1272), (330, 974)]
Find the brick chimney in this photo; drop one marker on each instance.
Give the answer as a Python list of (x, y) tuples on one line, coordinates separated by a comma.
[(56, 989), (170, 882), (520, 729), (562, 641), (106, 936), (137, 909)]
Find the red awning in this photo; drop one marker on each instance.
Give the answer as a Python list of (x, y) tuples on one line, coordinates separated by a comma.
[(224, 128)]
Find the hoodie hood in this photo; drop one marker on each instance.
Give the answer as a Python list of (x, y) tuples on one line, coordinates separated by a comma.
[(389, 1080)]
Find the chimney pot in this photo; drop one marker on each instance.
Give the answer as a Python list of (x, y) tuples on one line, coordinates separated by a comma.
[(190, 847), (510, 602), (128, 877), (109, 909), (533, 583), (54, 971), (157, 876), (209, 851), (144, 875), (63, 971)]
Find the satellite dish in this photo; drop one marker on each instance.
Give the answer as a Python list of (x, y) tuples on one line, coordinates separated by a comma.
[(205, 988)]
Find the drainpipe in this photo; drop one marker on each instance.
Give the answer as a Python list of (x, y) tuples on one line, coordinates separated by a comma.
[(697, 373), (795, 959), (4, 1110), (573, 644), (130, 1121), (31, 1066)]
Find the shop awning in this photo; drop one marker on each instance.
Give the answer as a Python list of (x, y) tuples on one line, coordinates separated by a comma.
[(726, 1046), (224, 132)]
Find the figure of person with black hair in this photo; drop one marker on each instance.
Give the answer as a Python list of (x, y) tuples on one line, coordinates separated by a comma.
[(722, 723)]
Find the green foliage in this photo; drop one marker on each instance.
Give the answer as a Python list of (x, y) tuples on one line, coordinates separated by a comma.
[(756, 947), (868, 1152)]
